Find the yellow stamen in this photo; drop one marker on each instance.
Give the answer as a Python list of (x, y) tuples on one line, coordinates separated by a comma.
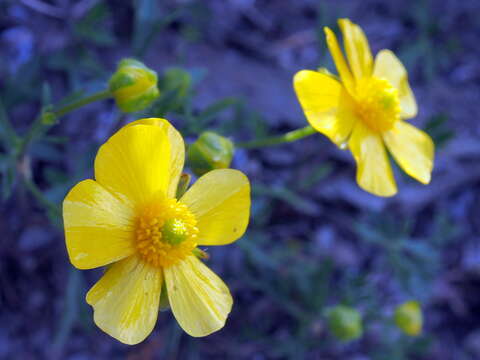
[(377, 103)]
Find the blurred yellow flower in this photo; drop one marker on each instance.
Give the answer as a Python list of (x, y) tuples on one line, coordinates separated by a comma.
[(365, 110), (128, 218)]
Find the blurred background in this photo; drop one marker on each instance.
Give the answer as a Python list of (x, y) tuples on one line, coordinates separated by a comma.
[(316, 239)]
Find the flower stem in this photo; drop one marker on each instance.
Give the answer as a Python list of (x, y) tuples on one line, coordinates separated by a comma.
[(101, 95), (38, 195), (290, 136), (39, 124)]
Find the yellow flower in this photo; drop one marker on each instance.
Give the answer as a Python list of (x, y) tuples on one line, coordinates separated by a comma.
[(365, 110), (128, 218)]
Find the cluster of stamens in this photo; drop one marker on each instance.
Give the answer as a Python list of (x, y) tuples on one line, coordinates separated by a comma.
[(377, 103), (166, 232)]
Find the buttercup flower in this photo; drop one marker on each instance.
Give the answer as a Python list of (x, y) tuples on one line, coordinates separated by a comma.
[(129, 219), (365, 110)]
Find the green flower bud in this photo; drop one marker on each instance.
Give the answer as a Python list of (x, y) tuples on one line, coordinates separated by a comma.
[(408, 317), (210, 151), (134, 86), (48, 117), (345, 322)]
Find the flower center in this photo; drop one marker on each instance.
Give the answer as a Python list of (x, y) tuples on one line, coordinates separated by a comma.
[(165, 232), (377, 103)]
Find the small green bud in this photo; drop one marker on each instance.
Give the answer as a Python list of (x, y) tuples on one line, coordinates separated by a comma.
[(345, 322), (210, 151), (408, 317), (133, 85), (49, 117)]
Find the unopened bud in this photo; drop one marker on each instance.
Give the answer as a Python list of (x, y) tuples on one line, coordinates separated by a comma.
[(345, 322), (133, 85), (408, 317), (48, 117), (210, 151)]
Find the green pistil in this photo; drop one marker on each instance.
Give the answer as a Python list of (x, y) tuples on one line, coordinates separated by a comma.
[(174, 231)]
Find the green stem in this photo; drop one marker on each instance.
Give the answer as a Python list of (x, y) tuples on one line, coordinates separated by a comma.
[(290, 136), (101, 95), (39, 125), (38, 194)]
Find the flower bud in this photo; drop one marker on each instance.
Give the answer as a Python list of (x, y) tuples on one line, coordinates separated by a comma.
[(408, 317), (48, 117), (210, 151), (134, 86), (345, 322)]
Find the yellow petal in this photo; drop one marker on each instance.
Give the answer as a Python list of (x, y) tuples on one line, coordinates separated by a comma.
[(374, 173), (126, 300), (338, 59), (412, 148), (326, 104), (200, 300), (135, 162), (389, 67), (177, 150), (357, 48), (98, 225), (220, 200)]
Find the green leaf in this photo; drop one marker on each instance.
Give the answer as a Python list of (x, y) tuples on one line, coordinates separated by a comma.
[(72, 306), (148, 24), (7, 169), (214, 109), (93, 27), (290, 197), (314, 176), (46, 94), (7, 133), (437, 127)]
